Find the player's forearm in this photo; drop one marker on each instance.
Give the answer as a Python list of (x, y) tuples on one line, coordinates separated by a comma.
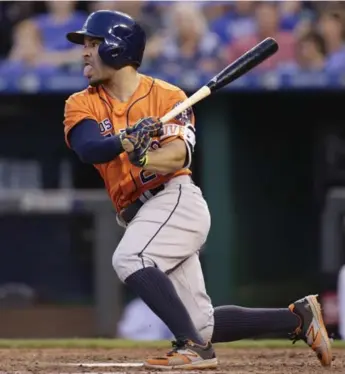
[(100, 151), (168, 159), (91, 147)]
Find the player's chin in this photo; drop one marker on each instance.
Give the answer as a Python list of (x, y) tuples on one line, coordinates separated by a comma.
[(94, 82)]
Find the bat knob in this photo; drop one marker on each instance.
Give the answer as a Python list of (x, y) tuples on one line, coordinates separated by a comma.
[(127, 145)]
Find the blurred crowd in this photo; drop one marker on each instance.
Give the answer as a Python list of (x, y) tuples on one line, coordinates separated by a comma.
[(184, 37)]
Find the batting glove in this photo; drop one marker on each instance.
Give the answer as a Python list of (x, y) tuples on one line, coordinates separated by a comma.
[(149, 125), (136, 145)]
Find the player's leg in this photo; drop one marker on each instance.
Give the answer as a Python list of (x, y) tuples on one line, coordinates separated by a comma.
[(234, 322), (169, 228), (226, 323), (302, 320), (189, 283)]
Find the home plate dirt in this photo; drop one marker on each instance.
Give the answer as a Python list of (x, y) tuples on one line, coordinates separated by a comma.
[(234, 361)]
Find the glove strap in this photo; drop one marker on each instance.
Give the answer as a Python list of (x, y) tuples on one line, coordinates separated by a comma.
[(146, 160)]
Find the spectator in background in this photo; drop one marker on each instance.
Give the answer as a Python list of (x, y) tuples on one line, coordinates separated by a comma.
[(160, 10), (94, 6), (40, 41), (332, 27), (292, 13), (11, 12), (27, 46), (214, 10), (149, 20), (267, 21), (236, 23), (187, 49), (310, 54)]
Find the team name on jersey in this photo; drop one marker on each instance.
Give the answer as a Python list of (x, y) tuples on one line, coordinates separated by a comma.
[(186, 132), (106, 127), (172, 129)]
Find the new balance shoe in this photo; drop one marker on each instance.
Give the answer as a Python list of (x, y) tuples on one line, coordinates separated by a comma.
[(312, 329), (185, 355)]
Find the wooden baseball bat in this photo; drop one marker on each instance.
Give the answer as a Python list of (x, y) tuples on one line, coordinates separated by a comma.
[(235, 70)]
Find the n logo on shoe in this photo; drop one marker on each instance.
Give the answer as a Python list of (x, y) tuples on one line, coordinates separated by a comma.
[(312, 333)]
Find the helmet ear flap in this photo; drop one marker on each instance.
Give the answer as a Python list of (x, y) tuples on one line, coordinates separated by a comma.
[(110, 52)]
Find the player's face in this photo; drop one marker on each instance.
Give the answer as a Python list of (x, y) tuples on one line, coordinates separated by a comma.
[(95, 71)]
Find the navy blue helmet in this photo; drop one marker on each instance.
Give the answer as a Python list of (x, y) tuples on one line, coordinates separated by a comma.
[(123, 39)]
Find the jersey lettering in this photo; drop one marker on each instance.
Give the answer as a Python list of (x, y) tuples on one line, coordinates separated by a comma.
[(147, 176), (172, 129), (106, 128)]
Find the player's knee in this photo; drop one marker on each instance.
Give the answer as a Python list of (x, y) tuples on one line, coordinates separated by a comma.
[(121, 265), (126, 264)]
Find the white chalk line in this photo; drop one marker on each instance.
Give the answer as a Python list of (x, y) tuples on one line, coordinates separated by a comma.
[(108, 372), (77, 372), (106, 364), (114, 365), (59, 372), (124, 365)]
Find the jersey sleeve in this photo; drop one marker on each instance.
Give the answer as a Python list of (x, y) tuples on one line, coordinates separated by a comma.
[(182, 126), (76, 110)]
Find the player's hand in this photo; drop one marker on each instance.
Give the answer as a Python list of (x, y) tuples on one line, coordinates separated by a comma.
[(149, 125), (136, 145)]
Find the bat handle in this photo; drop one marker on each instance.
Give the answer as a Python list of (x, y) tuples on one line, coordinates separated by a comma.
[(196, 97)]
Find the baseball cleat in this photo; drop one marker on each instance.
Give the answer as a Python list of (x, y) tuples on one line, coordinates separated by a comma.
[(185, 355), (312, 329)]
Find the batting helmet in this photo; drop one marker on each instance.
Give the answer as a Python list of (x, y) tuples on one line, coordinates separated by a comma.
[(123, 39)]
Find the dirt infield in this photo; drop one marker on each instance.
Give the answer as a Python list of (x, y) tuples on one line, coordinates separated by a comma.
[(235, 361)]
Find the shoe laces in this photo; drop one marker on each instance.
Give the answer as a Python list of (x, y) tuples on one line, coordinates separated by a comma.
[(176, 345), (296, 336), (298, 333)]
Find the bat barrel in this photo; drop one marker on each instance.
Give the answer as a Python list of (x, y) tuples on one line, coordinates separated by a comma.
[(243, 64)]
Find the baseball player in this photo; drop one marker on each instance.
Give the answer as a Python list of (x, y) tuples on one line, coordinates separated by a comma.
[(114, 125)]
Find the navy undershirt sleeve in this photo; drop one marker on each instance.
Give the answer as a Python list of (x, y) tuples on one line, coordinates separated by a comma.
[(90, 146)]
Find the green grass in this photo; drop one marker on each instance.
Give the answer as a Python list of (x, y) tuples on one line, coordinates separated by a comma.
[(117, 343)]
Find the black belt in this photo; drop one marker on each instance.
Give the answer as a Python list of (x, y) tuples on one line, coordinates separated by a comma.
[(130, 212)]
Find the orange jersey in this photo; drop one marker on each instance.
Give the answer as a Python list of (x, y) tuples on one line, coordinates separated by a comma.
[(153, 97)]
